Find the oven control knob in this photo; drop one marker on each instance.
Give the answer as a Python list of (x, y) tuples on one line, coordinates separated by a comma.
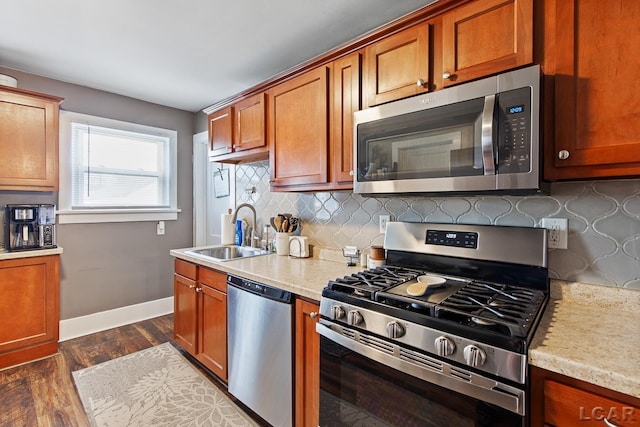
[(444, 346), (354, 318), (474, 356), (337, 312), (395, 330)]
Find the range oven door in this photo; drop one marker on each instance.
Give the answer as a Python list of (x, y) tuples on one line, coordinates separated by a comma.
[(356, 390)]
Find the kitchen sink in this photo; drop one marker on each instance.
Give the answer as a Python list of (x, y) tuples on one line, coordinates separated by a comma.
[(227, 253)]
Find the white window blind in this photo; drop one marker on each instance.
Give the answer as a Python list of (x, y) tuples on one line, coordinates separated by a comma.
[(113, 171), (115, 168)]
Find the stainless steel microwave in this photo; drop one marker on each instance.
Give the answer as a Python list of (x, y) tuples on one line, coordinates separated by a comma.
[(478, 137)]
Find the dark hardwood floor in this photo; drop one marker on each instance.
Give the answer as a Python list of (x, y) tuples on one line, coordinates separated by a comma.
[(42, 393)]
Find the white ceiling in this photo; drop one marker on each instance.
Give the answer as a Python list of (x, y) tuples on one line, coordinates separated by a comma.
[(186, 54)]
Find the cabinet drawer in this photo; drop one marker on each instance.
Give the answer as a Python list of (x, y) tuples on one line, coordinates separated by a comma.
[(213, 278), (185, 269), (568, 406)]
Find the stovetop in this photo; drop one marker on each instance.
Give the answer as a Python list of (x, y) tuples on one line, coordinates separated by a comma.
[(494, 308)]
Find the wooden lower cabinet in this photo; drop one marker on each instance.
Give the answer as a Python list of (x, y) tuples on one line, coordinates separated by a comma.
[(29, 308), (561, 401), (200, 315), (212, 321), (307, 368)]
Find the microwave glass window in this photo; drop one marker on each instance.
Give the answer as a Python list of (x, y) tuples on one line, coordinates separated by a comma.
[(441, 142)]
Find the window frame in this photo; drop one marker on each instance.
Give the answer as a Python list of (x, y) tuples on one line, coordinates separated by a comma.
[(69, 215)]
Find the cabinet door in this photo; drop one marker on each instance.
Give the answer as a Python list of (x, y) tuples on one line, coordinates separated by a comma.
[(29, 309), (307, 364), (221, 132), (559, 401), (184, 312), (212, 331), (346, 101), (486, 37), (250, 123), (597, 110), (28, 141), (299, 130), (398, 66)]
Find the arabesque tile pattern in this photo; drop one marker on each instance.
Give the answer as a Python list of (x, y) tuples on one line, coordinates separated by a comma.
[(604, 220)]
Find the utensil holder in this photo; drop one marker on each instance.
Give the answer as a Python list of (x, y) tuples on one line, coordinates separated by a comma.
[(282, 243)]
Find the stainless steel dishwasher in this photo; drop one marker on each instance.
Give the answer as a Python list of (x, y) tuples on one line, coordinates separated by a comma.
[(260, 346)]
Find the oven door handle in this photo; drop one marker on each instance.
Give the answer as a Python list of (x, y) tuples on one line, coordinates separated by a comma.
[(486, 137), (443, 374)]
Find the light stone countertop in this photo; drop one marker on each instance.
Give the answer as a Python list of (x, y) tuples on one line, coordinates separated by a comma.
[(589, 332), (4, 254), (592, 333), (302, 276)]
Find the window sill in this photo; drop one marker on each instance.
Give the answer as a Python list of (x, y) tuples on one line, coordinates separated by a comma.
[(87, 216)]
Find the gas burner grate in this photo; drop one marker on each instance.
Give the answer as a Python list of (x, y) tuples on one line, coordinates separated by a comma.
[(366, 283), (493, 306)]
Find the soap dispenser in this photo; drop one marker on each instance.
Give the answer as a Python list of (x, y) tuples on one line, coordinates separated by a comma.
[(238, 240)]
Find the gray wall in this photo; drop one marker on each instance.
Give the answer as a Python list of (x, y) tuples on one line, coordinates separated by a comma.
[(111, 265), (604, 220)]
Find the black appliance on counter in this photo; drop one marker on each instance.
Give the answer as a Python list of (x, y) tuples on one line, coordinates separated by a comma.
[(28, 227), (438, 336)]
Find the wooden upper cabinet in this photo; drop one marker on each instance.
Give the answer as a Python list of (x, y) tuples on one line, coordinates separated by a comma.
[(28, 140), (238, 133), (485, 37), (398, 66), (299, 130), (346, 101), (250, 123), (591, 61), (221, 132)]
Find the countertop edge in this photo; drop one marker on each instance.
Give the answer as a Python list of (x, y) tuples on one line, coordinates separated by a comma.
[(4, 254)]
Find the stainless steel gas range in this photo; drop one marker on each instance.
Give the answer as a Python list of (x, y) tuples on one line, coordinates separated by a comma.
[(439, 335)]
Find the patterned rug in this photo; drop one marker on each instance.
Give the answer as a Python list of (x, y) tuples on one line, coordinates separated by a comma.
[(154, 387)]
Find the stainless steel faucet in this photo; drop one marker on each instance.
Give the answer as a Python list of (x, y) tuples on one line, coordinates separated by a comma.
[(254, 224)]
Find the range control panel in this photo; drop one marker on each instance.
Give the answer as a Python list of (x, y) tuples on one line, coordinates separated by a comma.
[(456, 239)]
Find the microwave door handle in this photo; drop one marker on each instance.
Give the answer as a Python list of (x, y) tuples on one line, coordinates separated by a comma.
[(486, 137)]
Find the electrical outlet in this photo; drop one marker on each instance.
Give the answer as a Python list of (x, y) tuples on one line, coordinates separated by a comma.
[(558, 232), (384, 219)]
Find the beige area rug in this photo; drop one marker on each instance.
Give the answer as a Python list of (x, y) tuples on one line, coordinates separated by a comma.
[(154, 387)]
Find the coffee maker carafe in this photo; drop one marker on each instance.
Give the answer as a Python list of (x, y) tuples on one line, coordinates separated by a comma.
[(29, 227)]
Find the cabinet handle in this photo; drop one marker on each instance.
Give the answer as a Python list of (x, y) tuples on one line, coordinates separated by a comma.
[(313, 314), (609, 423), (192, 286), (563, 154), (446, 75), (421, 83), (198, 289)]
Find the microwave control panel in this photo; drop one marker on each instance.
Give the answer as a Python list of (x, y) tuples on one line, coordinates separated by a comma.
[(514, 131)]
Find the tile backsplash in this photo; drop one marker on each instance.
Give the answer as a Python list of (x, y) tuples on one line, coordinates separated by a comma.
[(604, 220)]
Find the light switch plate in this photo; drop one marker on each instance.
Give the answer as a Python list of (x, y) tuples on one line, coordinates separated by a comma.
[(384, 219)]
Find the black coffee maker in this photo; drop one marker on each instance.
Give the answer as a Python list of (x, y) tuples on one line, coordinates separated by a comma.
[(29, 227)]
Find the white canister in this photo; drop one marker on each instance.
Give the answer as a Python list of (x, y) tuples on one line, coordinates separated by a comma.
[(282, 243)]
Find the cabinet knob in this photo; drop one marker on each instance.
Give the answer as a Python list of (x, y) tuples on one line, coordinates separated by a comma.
[(446, 75), (421, 83), (313, 314), (198, 289), (192, 286), (351, 173), (563, 154)]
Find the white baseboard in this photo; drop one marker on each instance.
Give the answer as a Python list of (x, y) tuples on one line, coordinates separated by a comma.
[(96, 322)]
